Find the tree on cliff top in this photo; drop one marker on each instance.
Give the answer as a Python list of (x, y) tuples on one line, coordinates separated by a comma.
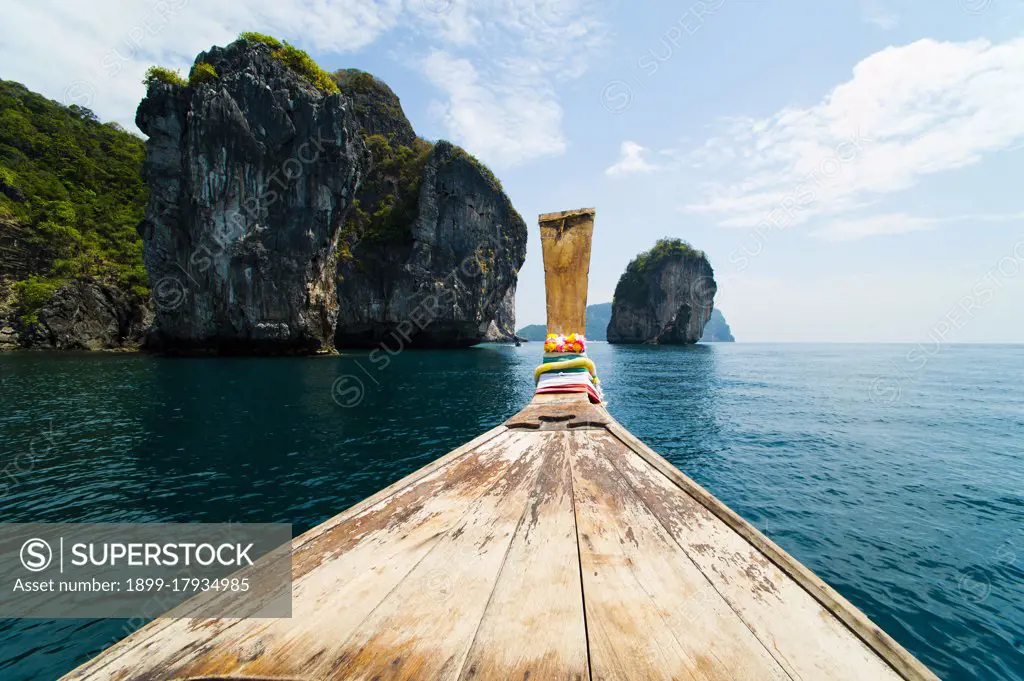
[(666, 248), (632, 286)]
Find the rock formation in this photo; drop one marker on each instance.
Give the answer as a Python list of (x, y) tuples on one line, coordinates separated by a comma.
[(503, 327), (89, 315), (432, 252), (278, 194), (377, 109), (286, 217), (717, 329), (251, 175), (664, 297)]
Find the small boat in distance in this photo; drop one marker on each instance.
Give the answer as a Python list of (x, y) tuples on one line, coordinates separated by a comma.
[(554, 546)]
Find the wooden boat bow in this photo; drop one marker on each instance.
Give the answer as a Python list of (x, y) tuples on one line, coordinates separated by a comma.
[(554, 546)]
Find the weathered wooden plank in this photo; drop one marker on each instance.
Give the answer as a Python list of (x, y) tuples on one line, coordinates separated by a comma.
[(425, 627), (636, 580), (340, 573), (565, 240), (534, 627), (805, 639), (566, 414), (857, 623)]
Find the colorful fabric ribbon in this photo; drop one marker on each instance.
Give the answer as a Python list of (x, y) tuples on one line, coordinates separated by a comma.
[(567, 369), (580, 362)]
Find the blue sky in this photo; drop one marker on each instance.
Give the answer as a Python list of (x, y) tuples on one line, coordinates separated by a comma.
[(853, 168)]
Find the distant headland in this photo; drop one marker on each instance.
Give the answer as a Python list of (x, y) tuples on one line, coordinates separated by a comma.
[(715, 331)]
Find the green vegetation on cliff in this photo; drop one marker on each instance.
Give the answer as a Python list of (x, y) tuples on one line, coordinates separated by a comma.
[(301, 63), (201, 73), (297, 60), (476, 163), (356, 80), (387, 204), (632, 286), (666, 248), (389, 197), (161, 74), (71, 195), (254, 37)]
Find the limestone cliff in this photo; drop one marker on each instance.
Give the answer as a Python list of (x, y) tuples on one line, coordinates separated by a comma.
[(431, 253), (252, 173), (293, 210), (664, 297), (503, 327)]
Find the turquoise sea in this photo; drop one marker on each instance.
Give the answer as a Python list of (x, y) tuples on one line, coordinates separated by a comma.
[(895, 472)]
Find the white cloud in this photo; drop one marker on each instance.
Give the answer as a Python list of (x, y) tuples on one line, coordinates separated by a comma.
[(505, 121), (507, 113), (499, 77), (900, 223), (877, 14), (631, 160), (875, 225), (906, 113), (78, 55)]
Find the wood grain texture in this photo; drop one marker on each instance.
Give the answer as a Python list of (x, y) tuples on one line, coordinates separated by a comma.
[(857, 623), (566, 239), (774, 607), (556, 547), (354, 565), (425, 627), (534, 627), (651, 613)]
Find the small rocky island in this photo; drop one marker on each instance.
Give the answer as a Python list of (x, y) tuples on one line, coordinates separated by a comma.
[(289, 211), (664, 297)]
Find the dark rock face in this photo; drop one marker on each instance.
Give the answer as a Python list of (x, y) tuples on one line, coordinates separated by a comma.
[(285, 220), (503, 327), (251, 177), (81, 315), (454, 274), (377, 109), (86, 315), (668, 303)]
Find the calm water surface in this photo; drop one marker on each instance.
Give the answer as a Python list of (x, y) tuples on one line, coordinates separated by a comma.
[(898, 480)]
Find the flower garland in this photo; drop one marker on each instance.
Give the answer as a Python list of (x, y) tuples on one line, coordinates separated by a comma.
[(574, 342)]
